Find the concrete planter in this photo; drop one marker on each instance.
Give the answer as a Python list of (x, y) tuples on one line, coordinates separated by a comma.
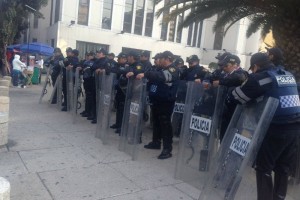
[(4, 189), (4, 91), (4, 104), (3, 130)]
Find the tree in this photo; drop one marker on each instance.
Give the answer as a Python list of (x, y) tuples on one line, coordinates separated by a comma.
[(13, 20), (280, 16)]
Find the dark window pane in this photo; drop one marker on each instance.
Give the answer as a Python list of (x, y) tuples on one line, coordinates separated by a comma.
[(190, 33), (172, 27), (149, 18), (179, 32), (107, 14), (139, 17), (200, 33), (128, 16), (219, 38), (83, 12), (57, 10), (195, 34), (84, 47), (35, 21), (164, 25)]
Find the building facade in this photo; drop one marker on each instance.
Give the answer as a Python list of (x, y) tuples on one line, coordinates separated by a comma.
[(121, 25)]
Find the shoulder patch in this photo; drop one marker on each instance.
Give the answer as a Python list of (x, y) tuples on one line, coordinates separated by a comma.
[(138, 67), (172, 69)]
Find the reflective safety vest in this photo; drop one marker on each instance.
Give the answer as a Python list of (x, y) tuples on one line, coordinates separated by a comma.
[(285, 90)]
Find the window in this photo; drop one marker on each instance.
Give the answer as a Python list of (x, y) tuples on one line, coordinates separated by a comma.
[(219, 38), (179, 32), (149, 18), (107, 14), (195, 34), (128, 16), (84, 47), (190, 34), (57, 11), (83, 12), (34, 40), (200, 34), (139, 17), (164, 25), (35, 21), (51, 12), (52, 42)]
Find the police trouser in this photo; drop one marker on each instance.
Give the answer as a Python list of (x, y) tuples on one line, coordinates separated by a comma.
[(120, 103), (64, 90), (162, 127), (277, 153), (89, 86), (53, 78)]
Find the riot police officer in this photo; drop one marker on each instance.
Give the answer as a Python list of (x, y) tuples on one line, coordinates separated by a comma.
[(67, 62), (71, 63), (120, 70), (195, 72), (89, 83), (233, 76), (162, 94), (56, 62), (145, 60), (100, 65), (277, 151)]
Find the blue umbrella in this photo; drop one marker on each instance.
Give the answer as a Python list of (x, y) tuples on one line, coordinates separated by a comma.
[(38, 48), (12, 47)]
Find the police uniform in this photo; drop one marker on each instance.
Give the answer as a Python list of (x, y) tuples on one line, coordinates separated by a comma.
[(277, 151), (120, 70), (73, 61), (162, 94), (56, 70), (89, 85), (101, 63)]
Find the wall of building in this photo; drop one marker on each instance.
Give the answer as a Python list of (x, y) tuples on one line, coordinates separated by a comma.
[(66, 34)]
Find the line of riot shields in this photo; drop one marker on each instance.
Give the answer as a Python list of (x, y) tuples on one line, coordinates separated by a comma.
[(220, 170)]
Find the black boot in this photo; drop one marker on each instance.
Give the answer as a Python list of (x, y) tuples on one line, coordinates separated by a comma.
[(153, 145), (166, 153), (280, 186), (264, 184)]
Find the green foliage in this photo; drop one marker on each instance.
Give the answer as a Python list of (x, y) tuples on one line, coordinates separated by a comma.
[(263, 13)]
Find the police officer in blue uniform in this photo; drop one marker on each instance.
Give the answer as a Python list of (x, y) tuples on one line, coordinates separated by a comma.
[(120, 70), (145, 60), (233, 76), (162, 94), (56, 61), (71, 63), (88, 83), (277, 151), (195, 72), (100, 65)]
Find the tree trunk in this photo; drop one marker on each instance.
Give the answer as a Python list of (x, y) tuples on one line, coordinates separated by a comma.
[(287, 37)]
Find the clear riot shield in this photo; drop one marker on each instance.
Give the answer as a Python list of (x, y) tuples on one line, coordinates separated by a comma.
[(104, 107), (98, 82), (199, 134), (76, 94), (179, 108), (237, 153), (47, 82), (133, 117), (59, 89), (70, 89)]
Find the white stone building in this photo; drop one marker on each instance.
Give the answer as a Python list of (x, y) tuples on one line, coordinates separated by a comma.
[(119, 25)]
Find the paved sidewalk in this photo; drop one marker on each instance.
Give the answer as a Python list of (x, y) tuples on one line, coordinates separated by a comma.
[(50, 158)]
